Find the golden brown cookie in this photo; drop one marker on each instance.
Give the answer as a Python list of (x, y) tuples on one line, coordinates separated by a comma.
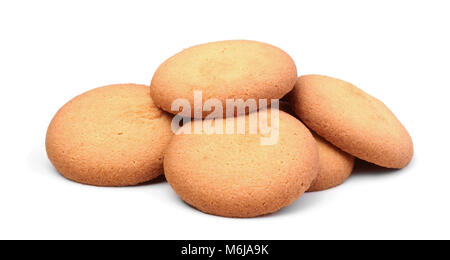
[(236, 69), (233, 175), (335, 166), (352, 120), (109, 136)]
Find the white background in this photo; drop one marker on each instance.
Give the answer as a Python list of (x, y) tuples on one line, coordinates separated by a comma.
[(51, 51)]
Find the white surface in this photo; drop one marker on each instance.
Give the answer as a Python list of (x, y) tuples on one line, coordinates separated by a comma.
[(51, 51)]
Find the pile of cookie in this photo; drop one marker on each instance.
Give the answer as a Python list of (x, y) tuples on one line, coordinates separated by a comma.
[(125, 134)]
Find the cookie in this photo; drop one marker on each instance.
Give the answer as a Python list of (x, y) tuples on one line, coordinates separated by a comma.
[(109, 136), (234, 175), (235, 69), (335, 166), (352, 120)]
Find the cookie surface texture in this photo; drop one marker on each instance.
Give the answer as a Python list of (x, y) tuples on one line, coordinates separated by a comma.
[(234, 175), (235, 69), (352, 120), (109, 136)]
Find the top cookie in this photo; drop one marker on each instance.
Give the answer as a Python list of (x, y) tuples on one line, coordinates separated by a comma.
[(352, 120), (238, 69)]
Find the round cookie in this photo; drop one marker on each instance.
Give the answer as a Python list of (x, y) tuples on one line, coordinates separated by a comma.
[(109, 136), (335, 166), (234, 175), (235, 69), (352, 120)]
